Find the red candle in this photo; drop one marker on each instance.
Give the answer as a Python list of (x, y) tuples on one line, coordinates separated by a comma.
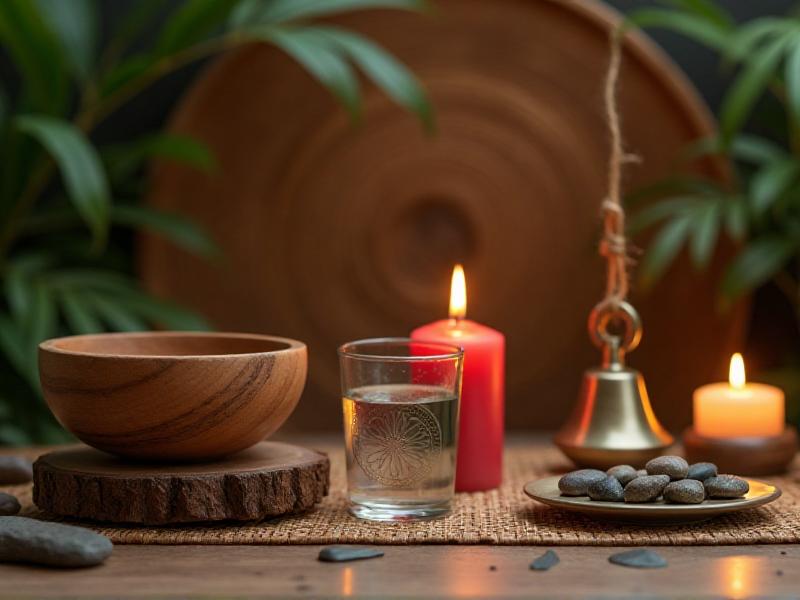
[(480, 436)]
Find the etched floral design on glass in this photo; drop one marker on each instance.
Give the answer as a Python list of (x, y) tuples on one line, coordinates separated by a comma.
[(397, 447)]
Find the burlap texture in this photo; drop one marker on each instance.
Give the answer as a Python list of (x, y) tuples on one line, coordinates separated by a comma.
[(504, 516)]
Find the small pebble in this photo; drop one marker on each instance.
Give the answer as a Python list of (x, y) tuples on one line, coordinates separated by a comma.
[(702, 471), (51, 544), (674, 466), (545, 562), (347, 553), (645, 489), (9, 505), (624, 473), (640, 559), (726, 486), (607, 490), (576, 483), (685, 491), (641, 473), (14, 470)]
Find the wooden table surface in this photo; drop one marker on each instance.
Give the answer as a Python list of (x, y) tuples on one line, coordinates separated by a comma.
[(414, 572)]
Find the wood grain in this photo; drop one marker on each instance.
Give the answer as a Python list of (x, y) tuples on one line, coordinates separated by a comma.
[(334, 232), (267, 480), (172, 396), (415, 572)]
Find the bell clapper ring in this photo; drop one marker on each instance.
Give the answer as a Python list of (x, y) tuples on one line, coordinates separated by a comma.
[(615, 344)]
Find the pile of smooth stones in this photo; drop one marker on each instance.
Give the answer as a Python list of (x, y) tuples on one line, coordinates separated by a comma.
[(668, 476)]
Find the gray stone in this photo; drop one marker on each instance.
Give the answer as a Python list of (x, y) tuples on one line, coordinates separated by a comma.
[(645, 489), (624, 473), (726, 486), (545, 562), (607, 490), (641, 473), (51, 544), (9, 505), (674, 466), (347, 553), (702, 471), (14, 470), (639, 559), (685, 491), (576, 483)]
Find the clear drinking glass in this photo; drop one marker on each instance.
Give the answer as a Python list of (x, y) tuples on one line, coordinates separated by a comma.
[(400, 399)]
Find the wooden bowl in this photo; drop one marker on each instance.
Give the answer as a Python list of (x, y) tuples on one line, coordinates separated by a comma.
[(172, 395)]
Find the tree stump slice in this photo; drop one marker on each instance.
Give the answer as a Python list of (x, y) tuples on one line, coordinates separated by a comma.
[(268, 480)]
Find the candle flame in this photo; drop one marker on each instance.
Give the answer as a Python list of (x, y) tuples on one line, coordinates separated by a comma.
[(458, 294), (736, 375)]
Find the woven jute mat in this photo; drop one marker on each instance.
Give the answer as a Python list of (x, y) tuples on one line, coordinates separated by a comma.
[(504, 516)]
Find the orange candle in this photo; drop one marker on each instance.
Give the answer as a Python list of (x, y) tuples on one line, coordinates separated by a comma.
[(738, 408)]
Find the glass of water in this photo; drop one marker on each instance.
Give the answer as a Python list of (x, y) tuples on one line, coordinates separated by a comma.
[(400, 400)]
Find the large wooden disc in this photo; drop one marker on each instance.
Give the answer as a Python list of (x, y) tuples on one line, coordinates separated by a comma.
[(334, 232), (267, 480)]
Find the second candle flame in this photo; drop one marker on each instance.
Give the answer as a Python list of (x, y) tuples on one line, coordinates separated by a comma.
[(458, 294), (736, 375)]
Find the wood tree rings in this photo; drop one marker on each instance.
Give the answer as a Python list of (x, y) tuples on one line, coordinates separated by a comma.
[(334, 231), (267, 480)]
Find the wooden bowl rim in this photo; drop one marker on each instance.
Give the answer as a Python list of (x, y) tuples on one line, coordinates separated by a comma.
[(52, 346)]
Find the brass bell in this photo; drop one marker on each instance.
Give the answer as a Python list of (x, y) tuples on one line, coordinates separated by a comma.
[(613, 422)]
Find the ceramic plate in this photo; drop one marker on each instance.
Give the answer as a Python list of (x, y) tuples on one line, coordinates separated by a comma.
[(546, 491)]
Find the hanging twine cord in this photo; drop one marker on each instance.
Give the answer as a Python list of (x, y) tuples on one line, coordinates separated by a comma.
[(614, 245)]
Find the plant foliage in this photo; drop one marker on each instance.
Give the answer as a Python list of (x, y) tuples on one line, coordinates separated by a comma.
[(65, 199), (761, 209)]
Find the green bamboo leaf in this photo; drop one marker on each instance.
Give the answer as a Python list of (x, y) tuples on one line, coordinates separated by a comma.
[(253, 12), (11, 435), (756, 150), (135, 20), (699, 29), (81, 169), (663, 209), (757, 264), (736, 217), (19, 294), (123, 73), (42, 318), (749, 86), (173, 227), (707, 10), (771, 181), (384, 70), (16, 348), (664, 248), (123, 160), (744, 41), (793, 81), (75, 25), (162, 313), (192, 22), (79, 313), (705, 233), (91, 279), (36, 53), (320, 58), (110, 310)]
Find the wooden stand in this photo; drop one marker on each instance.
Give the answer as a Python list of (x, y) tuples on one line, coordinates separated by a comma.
[(267, 480), (743, 456)]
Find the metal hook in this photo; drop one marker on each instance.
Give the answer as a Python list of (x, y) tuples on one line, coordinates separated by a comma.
[(614, 346)]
